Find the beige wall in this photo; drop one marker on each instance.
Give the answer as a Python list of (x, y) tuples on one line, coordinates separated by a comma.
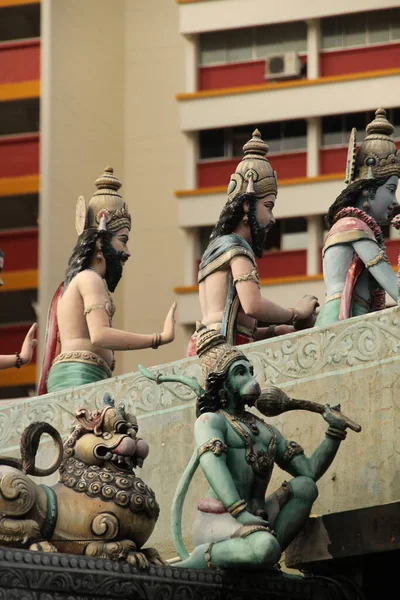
[(82, 107), (153, 166), (106, 100)]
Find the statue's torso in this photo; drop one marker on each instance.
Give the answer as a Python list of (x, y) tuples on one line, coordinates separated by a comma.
[(72, 324), (336, 262), (251, 481)]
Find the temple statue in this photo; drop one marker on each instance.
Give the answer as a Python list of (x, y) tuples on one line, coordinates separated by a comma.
[(357, 271), (24, 356), (237, 526), (80, 340), (229, 287), (98, 507)]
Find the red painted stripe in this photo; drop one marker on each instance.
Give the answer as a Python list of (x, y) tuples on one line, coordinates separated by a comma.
[(19, 155), (20, 249), (282, 264), (332, 160), (337, 62), (234, 74), (12, 337), (358, 60), (392, 250), (218, 172), (20, 61)]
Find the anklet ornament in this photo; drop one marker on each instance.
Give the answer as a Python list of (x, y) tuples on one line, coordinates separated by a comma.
[(207, 556)]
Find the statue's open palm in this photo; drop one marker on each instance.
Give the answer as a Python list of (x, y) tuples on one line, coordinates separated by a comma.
[(168, 333), (29, 345)]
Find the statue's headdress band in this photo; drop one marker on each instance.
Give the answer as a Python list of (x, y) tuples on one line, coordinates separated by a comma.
[(215, 354)]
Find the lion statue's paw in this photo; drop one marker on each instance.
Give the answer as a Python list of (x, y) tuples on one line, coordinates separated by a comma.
[(116, 550), (43, 546), (153, 557), (14, 531)]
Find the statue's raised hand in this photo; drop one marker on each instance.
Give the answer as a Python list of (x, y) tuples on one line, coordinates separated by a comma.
[(28, 345), (335, 418), (168, 332), (247, 518)]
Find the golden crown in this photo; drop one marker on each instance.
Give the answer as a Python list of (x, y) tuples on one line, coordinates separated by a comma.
[(377, 155), (254, 172), (106, 209), (215, 354)]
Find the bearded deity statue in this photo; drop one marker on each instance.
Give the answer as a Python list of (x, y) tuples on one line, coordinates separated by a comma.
[(237, 525), (229, 287), (80, 340), (357, 271), (99, 507)]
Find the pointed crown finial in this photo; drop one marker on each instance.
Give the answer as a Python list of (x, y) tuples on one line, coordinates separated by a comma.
[(256, 145)]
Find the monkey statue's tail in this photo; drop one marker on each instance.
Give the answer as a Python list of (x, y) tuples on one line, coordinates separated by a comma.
[(29, 446)]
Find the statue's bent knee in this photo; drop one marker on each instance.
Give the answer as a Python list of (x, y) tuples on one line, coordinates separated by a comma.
[(304, 488), (265, 548)]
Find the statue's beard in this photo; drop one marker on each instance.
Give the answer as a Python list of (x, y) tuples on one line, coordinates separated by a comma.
[(258, 232), (114, 264)]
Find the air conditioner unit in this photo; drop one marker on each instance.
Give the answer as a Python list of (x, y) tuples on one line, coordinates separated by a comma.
[(279, 66)]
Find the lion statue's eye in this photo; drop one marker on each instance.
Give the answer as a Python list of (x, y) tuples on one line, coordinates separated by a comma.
[(121, 427)]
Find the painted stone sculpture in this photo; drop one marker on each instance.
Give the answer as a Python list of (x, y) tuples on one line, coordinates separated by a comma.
[(237, 526), (80, 340), (24, 357), (357, 271), (229, 287), (98, 507)]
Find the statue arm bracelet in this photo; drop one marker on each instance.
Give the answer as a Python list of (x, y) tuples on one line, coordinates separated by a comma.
[(236, 508), (215, 445), (379, 258), (292, 449), (250, 276)]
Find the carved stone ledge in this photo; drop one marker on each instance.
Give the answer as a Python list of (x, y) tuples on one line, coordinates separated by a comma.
[(26, 575)]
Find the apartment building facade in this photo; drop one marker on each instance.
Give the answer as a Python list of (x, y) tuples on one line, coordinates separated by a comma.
[(304, 74)]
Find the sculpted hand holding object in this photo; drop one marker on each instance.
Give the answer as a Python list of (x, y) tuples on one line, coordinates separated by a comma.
[(23, 357), (98, 507), (357, 272), (80, 339), (237, 526), (229, 288)]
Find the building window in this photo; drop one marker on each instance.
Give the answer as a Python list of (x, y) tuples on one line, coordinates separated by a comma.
[(361, 29), (335, 130), (212, 144), (285, 136), (255, 43)]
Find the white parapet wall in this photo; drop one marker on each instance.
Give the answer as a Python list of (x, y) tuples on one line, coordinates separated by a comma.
[(355, 362)]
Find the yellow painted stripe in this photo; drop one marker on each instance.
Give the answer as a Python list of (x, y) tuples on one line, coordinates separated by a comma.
[(221, 189), (262, 87), (20, 280), (24, 376), (4, 3), (19, 186), (20, 90)]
